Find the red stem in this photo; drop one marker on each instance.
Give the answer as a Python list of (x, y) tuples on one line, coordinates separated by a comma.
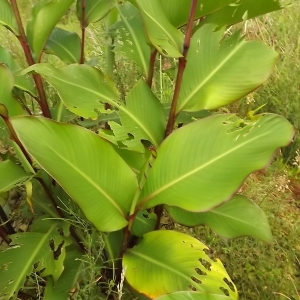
[(36, 77), (151, 68), (82, 31)]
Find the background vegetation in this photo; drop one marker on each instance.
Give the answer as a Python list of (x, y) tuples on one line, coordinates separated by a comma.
[(260, 271)]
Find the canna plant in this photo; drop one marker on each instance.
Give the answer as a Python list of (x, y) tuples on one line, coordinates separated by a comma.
[(101, 173)]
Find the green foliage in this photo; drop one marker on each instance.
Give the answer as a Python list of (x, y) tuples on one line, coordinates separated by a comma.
[(107, 186)]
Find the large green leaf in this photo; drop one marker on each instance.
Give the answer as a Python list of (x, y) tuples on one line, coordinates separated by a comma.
[(11, 175), (45, 16), (169, 261), (82, 88), (203, 164), (65, 45), (235, 218), (218, 73), (193, 296), (94, 10), (243, 10), (130, 36), (178, 11), (85, 165), (162, 34), (22, 82), (73, 266), (17, 261), (6, 86), (7, 17), (143, 117)]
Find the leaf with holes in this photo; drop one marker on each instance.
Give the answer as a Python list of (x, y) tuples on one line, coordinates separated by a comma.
[(99, 181), (17, 261), (65, 45), (193, 296), (7, 17), (11, 175), (235, 218), (142, 117), (94, 10), (130, 36), (162, 34), (168, 261), (144, 222), (202, 164), (218, 73), (45, 15)]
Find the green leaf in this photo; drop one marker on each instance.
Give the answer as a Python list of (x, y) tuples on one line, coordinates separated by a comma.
[(60, 289), (143, 117), (218, 73), (162, 34), (17, 261), (243, 10), (11, 175), (203, 164), (7, 17), (6, 98), (143, 223), (94, 176), (130, 37), (24, 83), (94, 11), (235, 218), (169, 261), (45, 15), (193, 296), (65, 45), (82, 88), (178, 11)]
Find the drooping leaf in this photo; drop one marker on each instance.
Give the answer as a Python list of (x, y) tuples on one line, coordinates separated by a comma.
[(17, 261), (143, 117), (130, 37), (82, 88), (65, 45), (94, 10), (218, 73), (143, 223), (24, 82), (13, 106), (7, 17), (169, 261), (162, 34), (177, 11), (242, 10), (235, 218), (203, 164), (45, 15), (60, 289), (95, 176), (193, 296), (11, 175)]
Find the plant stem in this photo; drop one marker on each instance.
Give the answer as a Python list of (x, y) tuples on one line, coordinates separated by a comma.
[(181, 68), (36, 77), (82, 31), (151, 68)]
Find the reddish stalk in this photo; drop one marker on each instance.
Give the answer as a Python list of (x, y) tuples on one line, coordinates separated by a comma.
[(42, 100), (151, 68), (82, 31), (181, 67)]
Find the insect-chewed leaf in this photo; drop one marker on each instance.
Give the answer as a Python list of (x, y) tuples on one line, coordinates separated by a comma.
[(194, 296), (216, 155), (168, 261)]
